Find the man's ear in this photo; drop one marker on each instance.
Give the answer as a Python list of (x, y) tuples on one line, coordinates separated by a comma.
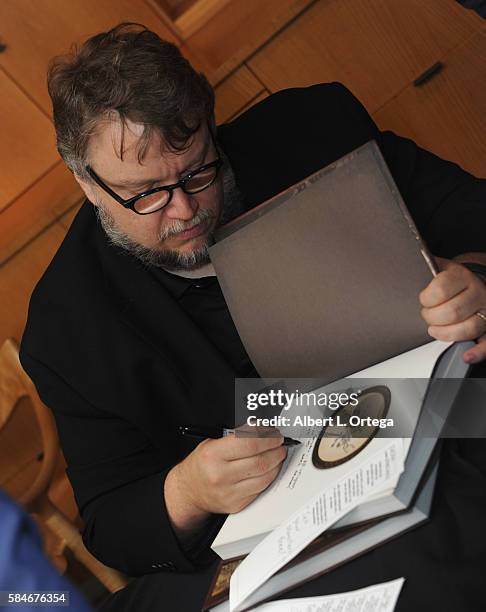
[(87, 187)]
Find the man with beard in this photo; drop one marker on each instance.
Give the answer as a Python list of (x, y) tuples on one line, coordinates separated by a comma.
[(128, 335)]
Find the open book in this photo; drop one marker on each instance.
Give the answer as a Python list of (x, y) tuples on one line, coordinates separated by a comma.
[(411, 408), (322, 281), (327, 552)]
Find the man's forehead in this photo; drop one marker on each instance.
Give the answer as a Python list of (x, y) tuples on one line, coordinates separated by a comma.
[(114, 151)]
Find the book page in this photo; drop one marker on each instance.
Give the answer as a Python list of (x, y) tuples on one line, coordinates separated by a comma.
[(417, 363), (406, 376), (377, 598), (314, 517), (323, 307)]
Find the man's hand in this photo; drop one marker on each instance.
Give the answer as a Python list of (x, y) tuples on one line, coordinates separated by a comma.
[(450, 303), (221, 476)]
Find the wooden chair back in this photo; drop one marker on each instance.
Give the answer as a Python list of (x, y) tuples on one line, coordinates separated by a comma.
[(29, 454), (39, 462)]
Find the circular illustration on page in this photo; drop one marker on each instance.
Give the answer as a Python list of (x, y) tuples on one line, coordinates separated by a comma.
[(339, 443)]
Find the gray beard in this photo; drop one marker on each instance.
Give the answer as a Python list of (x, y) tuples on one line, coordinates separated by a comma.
[(233, 205)]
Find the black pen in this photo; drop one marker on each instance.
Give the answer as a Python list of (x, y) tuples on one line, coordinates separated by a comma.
[(220, 432)]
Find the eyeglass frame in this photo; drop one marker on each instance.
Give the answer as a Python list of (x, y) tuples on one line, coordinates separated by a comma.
[(130, 202)]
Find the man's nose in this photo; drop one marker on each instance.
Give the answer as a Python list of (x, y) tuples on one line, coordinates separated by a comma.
[(181, 206)]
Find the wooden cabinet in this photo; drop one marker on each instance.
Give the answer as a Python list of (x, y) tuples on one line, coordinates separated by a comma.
[(28, 146), (38, 207), (239, 30), (447, 114), (37, 30), (221, 34), (375, 47), (187, 16), (18, 277)]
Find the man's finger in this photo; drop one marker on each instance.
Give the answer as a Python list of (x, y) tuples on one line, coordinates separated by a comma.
[(445, 286), (470, 329), (477, 353), (455, 310), (258, 465), (237, 447), (253, 486)]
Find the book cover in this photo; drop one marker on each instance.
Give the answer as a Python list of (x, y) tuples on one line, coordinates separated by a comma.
[(323, 280)]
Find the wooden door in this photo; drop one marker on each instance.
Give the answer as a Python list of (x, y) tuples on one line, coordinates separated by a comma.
[(447, 114), (375, 47)]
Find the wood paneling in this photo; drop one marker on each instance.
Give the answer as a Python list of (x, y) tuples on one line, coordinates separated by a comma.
[(197, 15), (35, 31), (18, 277), (27, 145), (375, 47), (175, 7), (235, 93), (238, 30), (448, 113), (40, 205), (19, 463)]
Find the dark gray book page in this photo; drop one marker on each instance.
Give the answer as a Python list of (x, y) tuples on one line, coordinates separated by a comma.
[(323, 280)]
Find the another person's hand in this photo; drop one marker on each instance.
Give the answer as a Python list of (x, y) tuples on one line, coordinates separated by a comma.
[(450, 303), (221, 476)]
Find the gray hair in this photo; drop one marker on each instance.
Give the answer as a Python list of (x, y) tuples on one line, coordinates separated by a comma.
[(131, 73)]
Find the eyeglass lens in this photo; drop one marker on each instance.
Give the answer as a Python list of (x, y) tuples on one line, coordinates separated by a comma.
[(196, 183)]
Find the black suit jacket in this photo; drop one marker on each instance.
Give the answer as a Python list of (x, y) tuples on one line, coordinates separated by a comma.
[(121, 365)]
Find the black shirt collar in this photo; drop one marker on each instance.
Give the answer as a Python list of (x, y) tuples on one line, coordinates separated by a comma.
[(177, 285)]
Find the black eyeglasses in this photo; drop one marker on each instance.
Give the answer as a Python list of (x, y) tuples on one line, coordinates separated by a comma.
[(154, 199)]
